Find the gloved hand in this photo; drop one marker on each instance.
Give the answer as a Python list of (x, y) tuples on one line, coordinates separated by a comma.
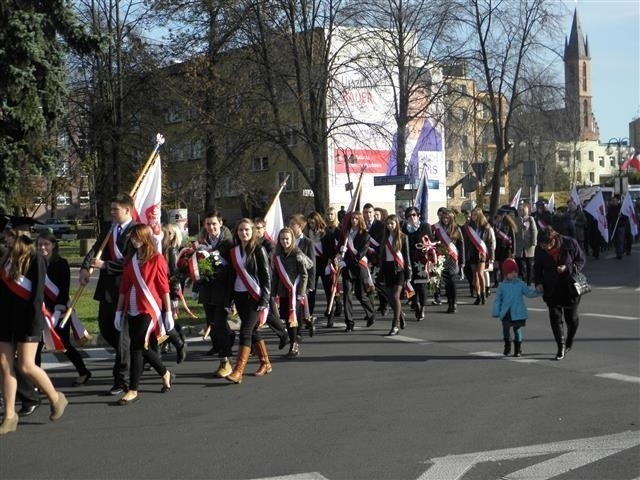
[(117, 322), (169, 324)]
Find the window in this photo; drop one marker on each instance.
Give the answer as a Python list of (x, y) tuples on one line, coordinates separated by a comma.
[(63, 168), (586, 113), (591, 156), (228, 187), (173, 114), (260, 164), (83, 197), (584, 76), (464, 166), (197, 149), (612, 161), (563, 157), (592, 177), (578, 156), (63, 199), (292, 182), (291, 136), (578, 176), (449, 166), (601, 161)]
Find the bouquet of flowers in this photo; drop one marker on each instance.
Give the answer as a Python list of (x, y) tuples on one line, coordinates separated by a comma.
[(199, 265), (430, 259)]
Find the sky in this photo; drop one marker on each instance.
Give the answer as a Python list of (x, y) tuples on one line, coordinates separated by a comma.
[(612, 28)]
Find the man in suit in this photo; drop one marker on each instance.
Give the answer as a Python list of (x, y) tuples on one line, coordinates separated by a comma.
[(117, 249), (375, 228), (297, 223)]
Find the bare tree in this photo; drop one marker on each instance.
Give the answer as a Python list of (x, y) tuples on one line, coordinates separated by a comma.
[(506, 44)]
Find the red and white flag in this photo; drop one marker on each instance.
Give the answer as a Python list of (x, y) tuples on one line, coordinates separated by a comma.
[(147, 199), (575, 197), (516, 198), (632, 162), (551, 206), (273, 221), (598, 210), (628, 210)]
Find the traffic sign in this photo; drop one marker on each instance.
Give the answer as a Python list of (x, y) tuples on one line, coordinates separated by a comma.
[(392, 180)]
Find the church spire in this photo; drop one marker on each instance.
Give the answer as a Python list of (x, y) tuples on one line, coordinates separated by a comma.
[(577, 47)]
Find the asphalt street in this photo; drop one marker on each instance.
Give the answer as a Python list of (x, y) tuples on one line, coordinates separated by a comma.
[(438, 401)]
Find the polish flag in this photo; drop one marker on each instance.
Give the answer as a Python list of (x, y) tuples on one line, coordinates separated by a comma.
[(575, 197), (551, 206), (273, 221), (632, 162), (516, 198), (597, 209), (628, 210), (147, 199)]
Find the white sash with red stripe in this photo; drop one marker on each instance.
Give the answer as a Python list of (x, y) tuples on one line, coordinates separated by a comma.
[(249, 282), (503, 237), (149, 302), (397, 256), (373, 245), (541, 223), (51, 290), (363, 261), (477, 242), (116, 254), (291, 288), (445, 239)]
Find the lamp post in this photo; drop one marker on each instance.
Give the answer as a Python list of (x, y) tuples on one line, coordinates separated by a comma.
[(623, 149), (347, 156)]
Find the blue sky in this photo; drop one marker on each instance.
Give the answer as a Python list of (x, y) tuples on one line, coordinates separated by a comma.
[(612, 28)]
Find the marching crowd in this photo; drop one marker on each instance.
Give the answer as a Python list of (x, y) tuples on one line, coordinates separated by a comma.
[(368, 256)]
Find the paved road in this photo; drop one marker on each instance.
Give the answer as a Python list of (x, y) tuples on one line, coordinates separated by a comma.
[(436, 402)]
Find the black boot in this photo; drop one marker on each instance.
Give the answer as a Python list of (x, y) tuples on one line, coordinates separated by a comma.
[(517, 349), (477, 302), (507, 348), (482, 299), (561, 351)]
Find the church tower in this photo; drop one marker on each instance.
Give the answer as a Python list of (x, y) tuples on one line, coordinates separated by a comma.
[(577, 80)]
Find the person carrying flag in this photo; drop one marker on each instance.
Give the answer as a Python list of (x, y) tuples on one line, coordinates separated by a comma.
[(110, 265)]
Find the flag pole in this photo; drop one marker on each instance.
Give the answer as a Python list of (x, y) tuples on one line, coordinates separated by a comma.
[(103, 245), (275, 197)]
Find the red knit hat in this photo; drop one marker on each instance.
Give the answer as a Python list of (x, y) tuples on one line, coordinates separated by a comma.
[(509, 266)]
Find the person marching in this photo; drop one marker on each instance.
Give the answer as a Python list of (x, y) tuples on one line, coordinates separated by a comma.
[(557, 258), (509, 306), (213, 293), (416, 231), (289, 282), (330, 250), (22, 279), (356, 277), (396, 268), (144, 294), (171, 242), (506, 238), (376, 229), (106, 292), (56, 298), (251, 280), (527, 241), (478, 231), (449, 235), (297, 223)]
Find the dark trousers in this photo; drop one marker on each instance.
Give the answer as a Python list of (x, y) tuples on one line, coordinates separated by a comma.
[(525, 265), (248, 312), (352, 283), (216, 316), (570, 315), (72, 354), (119, 341), (137, 328), (450, 288)]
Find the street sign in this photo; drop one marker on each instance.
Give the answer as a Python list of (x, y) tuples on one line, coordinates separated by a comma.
[(392, 180)]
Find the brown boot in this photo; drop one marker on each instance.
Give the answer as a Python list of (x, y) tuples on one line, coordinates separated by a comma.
[(265, 366), (241, 364)]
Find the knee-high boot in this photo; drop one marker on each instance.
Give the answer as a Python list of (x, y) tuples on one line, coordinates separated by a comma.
[(180, 345), (241, 363), (265, 365)]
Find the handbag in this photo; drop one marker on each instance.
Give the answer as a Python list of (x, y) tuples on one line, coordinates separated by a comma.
[(580, 284)]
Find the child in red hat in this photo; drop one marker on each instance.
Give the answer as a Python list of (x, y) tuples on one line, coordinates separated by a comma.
[(509, 306)]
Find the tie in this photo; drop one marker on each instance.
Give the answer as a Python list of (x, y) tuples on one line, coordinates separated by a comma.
[(118, 232)]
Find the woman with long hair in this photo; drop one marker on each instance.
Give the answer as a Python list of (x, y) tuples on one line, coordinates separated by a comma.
[(478, 231), (289, 282), (251, 280), (330, 272), (171, 243), (144, 294), (56, 297), (556, 260), (315, 231), (396, 268), (506, 233), (449, 234), (22, 281), (356, 277)]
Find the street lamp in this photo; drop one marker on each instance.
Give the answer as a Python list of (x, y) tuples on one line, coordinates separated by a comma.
[(623, 149), (347, 156)]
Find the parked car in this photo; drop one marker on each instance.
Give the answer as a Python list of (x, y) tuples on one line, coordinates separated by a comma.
[(55, 225)]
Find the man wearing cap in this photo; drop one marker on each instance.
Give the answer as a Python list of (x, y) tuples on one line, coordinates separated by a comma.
[(110, 265), (542, 216)]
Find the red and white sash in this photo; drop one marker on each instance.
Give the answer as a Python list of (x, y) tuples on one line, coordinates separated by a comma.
[(445, 239), (374, 245), (477, 242), (397, 256), (363, 261), (541, 223), (503, 237), (116, 254), (250, 283), (21, 287), (318, 248), (149, 304), (291, 288)]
